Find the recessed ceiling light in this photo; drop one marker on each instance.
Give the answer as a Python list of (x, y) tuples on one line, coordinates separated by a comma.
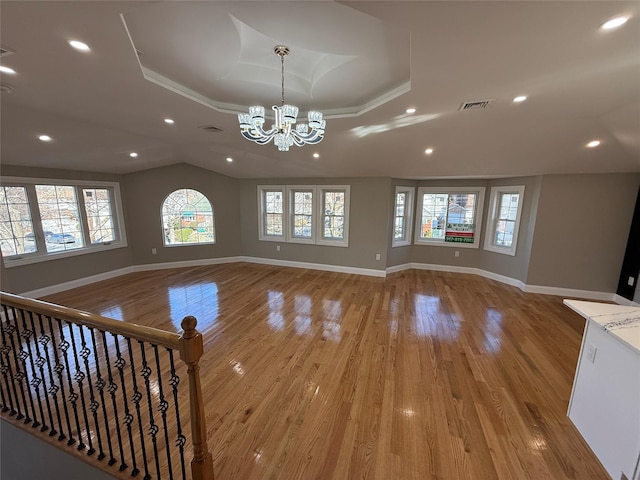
[(169, 121), (4, 69), (45, 138), (614, 23), (429, 151), (593, 143), (78, 45), (520, 98), (411, 110), (316, 155), (229, 159), (133, 154)]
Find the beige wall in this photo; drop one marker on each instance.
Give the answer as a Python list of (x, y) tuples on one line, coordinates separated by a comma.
[(572, 234), (147, 191), (507, 265), (581, 230), (369, 211)]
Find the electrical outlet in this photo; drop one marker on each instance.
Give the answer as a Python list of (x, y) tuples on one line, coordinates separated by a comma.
[(153, 251), (591, 352), (377, 256), (277, 248), (631, 281), (457, 253)]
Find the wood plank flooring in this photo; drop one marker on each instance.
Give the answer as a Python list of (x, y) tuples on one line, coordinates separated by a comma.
[(320, 375)]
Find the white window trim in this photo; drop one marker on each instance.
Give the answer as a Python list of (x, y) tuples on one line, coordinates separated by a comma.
[(479, 191), (37, 257), (289, 217), (492, 219), (317, 218), (187, 244), (408, 225), (285, 205), (320, 239)]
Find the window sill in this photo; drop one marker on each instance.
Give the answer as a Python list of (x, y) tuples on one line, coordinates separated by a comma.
[(30, 259)]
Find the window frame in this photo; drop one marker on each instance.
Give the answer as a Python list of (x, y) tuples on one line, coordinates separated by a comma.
[(321, 239), (290, 218), (187, 244), (317, 237), (262, 235), (41, 255), (492, 218), (478, 212), (408, 217)]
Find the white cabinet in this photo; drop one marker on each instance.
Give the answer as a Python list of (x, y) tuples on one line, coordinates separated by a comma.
[(605, 400)]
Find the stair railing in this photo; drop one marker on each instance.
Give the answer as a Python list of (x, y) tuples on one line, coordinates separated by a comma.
[(105, 386)]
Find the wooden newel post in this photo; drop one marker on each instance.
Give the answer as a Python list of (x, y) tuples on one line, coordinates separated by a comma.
[(190, 352)]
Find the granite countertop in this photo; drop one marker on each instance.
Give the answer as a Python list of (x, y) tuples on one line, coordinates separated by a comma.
[(620, 321)]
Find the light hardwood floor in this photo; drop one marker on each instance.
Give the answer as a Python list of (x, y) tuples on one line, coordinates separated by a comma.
[(318, 375)]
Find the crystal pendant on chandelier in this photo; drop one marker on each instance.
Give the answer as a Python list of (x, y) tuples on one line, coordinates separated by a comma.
[(282, 132)]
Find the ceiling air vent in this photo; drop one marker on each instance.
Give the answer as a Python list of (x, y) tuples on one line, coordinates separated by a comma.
[(210, 128), (475, 105), (5, 51)]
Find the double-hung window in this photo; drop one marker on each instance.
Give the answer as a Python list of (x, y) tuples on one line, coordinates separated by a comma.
[(301, 217), (402, 216), (504, 219), (271, 205), (314, 214), (334, 215), (449, 216), (42, 219)]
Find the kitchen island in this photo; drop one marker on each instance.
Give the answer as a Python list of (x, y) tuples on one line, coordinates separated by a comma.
[(605, 399)]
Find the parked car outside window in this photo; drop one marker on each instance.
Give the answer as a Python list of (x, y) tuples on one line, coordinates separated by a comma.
[(61, 238)]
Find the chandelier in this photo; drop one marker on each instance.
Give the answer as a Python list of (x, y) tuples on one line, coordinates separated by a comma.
[(282, 131)]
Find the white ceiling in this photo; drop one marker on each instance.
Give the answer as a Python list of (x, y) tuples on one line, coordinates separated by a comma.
[(362, 63)]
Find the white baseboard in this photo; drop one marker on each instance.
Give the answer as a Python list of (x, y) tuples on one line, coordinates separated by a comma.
[(186, 263), (557, 291), (570, 292), (540, 289), (61, 287), (624, 301), (80, 282), (317, 266)]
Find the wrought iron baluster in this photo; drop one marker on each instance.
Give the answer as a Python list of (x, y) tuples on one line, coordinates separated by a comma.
[(19, 374), (79, 378), (163, 407), (40, 362), (100, 384), (21, 368), (128, 418), (174, 381), (85, 353), (59, 369), (27, 335), (5, 366), (153, 429), (112, 389), (137, 396), (73, 396), (44, 340)]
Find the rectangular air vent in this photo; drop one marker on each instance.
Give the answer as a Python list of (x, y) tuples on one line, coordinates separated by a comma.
[(475, 105)]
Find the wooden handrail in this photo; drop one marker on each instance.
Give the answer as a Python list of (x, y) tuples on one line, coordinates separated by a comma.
[(189, 344), (130, 330)]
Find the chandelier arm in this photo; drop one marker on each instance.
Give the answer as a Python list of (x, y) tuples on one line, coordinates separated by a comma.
[(314, 136)]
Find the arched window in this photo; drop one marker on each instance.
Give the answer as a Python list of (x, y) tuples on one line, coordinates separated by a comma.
[(187, 218)]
